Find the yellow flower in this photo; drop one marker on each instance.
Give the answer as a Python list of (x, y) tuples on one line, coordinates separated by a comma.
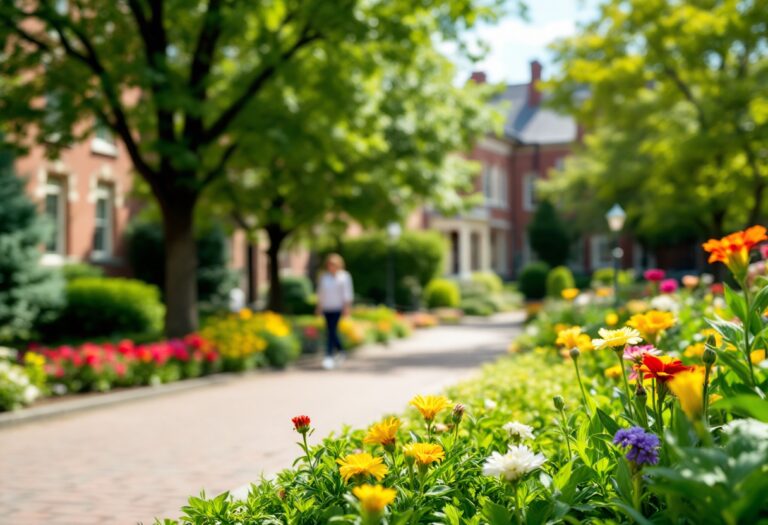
[(383, 433), (757, 356), (374, 498), (573, 338), (636, 306), (616, 338), (245, 314), (652, 323), (430, 406), (613, 372), (714, 398), (688, 386), (611, 319), (34, 359), (362, 464), (604, 291), (569, 294), (695, 350), (424, 453)]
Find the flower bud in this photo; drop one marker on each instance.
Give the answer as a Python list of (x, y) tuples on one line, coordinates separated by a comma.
[(574, 353), (559, 402), (640, 392), (710, 356), (458, 413)]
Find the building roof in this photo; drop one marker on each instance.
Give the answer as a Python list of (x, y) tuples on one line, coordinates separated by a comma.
[(533, 124)]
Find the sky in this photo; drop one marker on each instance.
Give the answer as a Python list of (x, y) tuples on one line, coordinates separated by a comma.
[(513, 42)]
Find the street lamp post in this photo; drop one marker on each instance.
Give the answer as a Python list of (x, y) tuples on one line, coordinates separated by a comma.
[(616, 217), (394, 230)]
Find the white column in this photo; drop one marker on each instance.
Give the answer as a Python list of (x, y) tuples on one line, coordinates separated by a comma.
[(485, 250), (465, 251)]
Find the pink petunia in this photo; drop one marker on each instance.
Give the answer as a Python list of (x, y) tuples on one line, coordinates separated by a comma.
[(668, 286), (654, 275)]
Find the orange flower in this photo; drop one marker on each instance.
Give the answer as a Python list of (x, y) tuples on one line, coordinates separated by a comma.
[(733, 250), (662, 368)]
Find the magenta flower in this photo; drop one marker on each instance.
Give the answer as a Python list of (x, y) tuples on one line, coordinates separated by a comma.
[(654, 275), (764, 251), (636, 353), (668, 286)]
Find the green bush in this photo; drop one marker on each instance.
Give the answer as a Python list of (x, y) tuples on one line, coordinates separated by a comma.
[(281, 350), (442, 293), (297, 295), (489, 281), (479, 306), (73, 271), (533, 280), (214, 277), (105, 307), (548, 235), (558, 279), (604, 277), (417, 257)]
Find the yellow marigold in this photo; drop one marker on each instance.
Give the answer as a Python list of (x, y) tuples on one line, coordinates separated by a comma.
[(362, 464), (651, 323), (245, 314), (604, 291), (430, 406), (616, 338), (694, 351), (424, 453), (613, 372), (757, 356), (34, 359), (374, 498), (611, 319), (573, 338), (688, 386), (383, 433), (569, 294)]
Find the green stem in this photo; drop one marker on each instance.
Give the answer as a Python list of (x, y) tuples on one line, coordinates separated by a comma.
[(746, 323), (626, 383), (308, 456), (581, 386), (705, 394), (565, 434), (518, 505), (637, 492)]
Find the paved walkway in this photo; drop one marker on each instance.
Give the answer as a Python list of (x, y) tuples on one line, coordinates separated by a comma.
[(128, 463)]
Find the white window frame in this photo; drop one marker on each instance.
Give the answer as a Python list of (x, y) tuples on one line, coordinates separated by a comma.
[(529, 190), (57, 188), (104, 192), (105, 145), (595, 250)]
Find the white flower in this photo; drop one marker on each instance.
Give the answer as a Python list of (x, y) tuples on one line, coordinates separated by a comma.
[(490, 404), (665, 303), (513, 465), (518, 430), (31, 393), (616, 338)]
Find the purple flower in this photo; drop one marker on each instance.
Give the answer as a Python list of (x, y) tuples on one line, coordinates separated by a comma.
[(642, 447), (636, 353), (668, 286)]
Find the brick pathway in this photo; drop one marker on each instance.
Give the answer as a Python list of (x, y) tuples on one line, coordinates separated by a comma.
[(126, 464)]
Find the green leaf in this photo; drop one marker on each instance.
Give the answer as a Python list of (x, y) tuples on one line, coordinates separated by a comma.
[(736, 303), (452, 515), (496, 514), (608, 422), (746, 405)]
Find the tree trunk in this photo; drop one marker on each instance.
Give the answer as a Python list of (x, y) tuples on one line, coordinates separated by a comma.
[(276, 237), (180, 266)]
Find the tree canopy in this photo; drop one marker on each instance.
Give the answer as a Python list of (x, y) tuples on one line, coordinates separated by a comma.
[(672, 96), (179, 82)]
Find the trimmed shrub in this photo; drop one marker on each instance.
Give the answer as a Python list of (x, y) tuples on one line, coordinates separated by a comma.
[(281, 350), (417, 257), (548, 235), (479, 306), (73, 271), (108, 307), (297, 295), (558, 279), (489, 281), (604, 277), (442, 293), (533, 280)]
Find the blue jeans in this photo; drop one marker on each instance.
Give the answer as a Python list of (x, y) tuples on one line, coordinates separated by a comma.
[(332, 330)]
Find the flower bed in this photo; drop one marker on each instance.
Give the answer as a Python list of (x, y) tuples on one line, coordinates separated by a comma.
[(548, 436)]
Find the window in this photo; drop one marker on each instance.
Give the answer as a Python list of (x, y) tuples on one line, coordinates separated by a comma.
[(487, 183), (103, 141), (102, 229), (56, 211), (501, 183), (601, 251), (529, 192), (475, 246), (499, 251)]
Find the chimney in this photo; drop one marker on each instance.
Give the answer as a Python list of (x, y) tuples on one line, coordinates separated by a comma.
[(478, 77), (534, 95)]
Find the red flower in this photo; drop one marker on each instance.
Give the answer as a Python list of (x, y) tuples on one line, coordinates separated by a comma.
[(717, 288), (661, 368), (301, 424), (654, 275)]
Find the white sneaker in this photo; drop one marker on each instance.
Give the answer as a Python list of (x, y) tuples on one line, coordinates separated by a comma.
[(328, 363)]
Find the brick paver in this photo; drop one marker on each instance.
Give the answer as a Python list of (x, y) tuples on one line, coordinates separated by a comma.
[(128, 463)]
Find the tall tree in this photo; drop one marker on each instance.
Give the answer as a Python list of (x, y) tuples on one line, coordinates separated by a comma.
[(672, 95), (176, 80), (368, 159)]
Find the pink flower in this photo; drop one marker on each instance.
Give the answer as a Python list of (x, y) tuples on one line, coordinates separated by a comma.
[(636, 353), (690, 281), (668, 286), (120, 369), (654, 274), (764, 251)]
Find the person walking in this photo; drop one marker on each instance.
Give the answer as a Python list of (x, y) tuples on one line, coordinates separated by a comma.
[(334, 301)]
